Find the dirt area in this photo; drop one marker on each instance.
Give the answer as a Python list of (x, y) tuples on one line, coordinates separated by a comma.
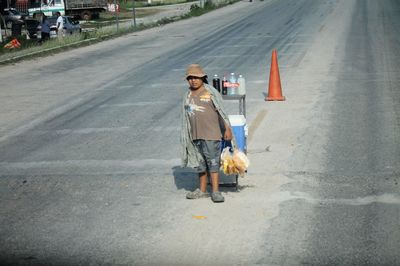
[(143, 14)]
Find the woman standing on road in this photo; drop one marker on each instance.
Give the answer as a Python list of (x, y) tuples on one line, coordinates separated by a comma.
[(204, 124)]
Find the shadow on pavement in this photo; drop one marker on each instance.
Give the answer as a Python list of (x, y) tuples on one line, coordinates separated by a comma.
[(185, 178)]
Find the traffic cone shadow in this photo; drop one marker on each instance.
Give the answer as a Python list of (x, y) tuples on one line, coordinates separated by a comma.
[(274, 86)]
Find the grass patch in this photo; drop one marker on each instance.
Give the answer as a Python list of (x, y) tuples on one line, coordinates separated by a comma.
[(129, 4), (125, 14)]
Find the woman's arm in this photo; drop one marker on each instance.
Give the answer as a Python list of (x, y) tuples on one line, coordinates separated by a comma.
[(228, 132)]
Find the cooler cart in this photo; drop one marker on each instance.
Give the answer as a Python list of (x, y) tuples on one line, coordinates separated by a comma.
[(239, 128)]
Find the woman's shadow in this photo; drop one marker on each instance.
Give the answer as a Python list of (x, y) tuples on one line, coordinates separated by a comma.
[(185, 178), (188, 179)]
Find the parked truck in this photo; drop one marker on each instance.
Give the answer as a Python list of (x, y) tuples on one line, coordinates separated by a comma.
[(83, 9)]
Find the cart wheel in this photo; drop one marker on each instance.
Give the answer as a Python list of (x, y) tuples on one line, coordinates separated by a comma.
[(237, 183), (86, 15)]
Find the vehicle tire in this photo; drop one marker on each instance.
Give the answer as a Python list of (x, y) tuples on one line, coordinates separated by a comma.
[(86, 15)]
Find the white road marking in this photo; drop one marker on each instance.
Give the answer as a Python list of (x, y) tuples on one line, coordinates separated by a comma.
[(87, 166), (90, 130), (133, 104)]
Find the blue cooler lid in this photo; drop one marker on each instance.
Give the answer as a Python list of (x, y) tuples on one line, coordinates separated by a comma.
[(237, 120)]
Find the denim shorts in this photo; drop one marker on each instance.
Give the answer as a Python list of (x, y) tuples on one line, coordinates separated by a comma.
[(211, 152)]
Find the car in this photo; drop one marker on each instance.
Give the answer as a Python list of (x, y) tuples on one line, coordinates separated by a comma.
[(71, 26), (32, 27), (11, 15)]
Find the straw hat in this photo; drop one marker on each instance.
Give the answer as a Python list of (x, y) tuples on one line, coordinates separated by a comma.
[(195, 70)]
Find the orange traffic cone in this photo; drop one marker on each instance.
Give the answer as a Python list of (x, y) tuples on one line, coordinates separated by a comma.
[(274, 87), (16, 43), (13, 44)]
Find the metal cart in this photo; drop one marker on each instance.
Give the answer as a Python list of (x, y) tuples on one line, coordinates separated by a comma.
[(232, 180), (242, 102)]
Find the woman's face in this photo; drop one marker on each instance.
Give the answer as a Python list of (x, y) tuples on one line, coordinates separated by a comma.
[(195, 83)]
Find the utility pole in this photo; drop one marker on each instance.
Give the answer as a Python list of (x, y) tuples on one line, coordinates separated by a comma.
[(116, 14), (1, 33), (134, 13), (2, 20)]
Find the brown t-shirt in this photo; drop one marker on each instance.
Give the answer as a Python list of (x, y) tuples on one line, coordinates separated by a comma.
[(203, 116)]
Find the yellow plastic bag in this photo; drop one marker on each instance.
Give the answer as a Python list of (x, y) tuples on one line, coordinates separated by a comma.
[(227, 164), (241, 161), (235, 162)]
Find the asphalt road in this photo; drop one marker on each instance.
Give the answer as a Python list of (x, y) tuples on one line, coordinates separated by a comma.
[(89, 144)]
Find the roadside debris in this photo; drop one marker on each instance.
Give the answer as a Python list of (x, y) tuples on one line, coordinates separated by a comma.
[(14, 43)]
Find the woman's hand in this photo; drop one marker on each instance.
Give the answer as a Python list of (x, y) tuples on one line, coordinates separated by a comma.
[(228, 133)]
